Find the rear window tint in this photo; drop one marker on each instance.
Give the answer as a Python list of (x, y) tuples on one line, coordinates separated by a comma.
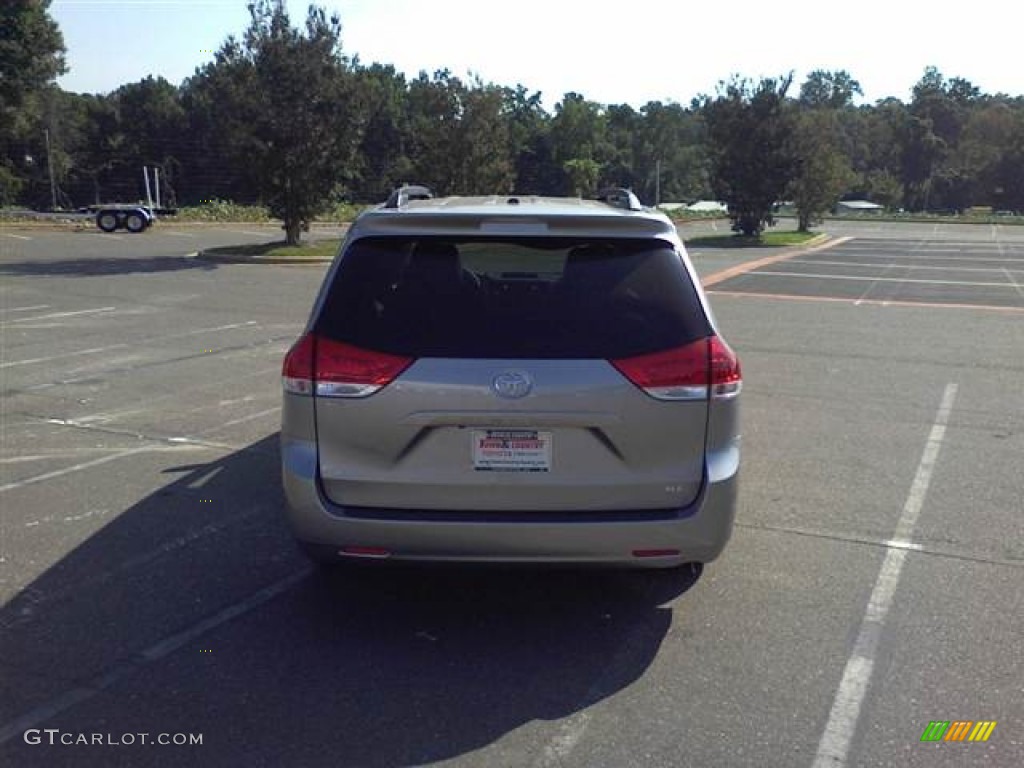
[(512, 298)]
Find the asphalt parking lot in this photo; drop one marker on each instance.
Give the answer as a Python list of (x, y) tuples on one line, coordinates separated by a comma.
[(944, 273), (874, 584)]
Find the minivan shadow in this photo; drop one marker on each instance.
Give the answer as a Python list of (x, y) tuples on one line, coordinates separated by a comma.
[(366, 667)]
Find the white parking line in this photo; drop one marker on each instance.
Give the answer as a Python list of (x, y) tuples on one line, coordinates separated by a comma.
[(192, 439), (178, 234), (746, 295), (846, 707), (155, 652), (149, 340), (887, 264), (76, 468), (76, 353), (47, 456), (234, 422), (871, 286), (879, 279), (887, 257), (54, 315), (16, 237), (1016, 285)]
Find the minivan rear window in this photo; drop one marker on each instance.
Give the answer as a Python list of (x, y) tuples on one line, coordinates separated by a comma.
[(526, 298)]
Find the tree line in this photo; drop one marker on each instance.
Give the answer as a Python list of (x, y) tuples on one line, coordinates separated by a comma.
[(283, 117)]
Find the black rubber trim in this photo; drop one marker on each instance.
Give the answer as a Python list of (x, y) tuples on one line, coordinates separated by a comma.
[(513, 516), (446, 516)]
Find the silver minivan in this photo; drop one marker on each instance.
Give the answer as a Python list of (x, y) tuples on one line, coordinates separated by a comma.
[(511, 379)]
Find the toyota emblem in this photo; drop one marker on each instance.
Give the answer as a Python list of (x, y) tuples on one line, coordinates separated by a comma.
[(512, 384)]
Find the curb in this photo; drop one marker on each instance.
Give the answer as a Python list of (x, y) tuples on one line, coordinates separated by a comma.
[(224, 258)]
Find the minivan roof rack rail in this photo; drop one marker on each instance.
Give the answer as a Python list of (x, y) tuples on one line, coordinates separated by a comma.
[(620, 197), (406, 193)]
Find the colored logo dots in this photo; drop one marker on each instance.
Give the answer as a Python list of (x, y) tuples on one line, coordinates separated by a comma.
[(958, 730)]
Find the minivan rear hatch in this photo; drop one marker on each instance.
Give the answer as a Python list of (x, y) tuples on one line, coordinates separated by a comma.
[(476, 374)]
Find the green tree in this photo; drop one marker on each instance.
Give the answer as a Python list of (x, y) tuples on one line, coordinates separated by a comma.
[(921, 153), (435, 106), (579, 144), (153, 122), (984, 144), (822, 172), (582, 174), (529, 127), (868, 136), (882, 187), (929, 139), (214, 167), (285, 98), (1008, 192), (31, 56), (382, 161), (752, 164), (482, 142), (60, 137), (833, 90), (627, 157), (670, 156)]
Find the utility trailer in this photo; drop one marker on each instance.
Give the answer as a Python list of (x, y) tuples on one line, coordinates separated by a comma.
[(134, 218)]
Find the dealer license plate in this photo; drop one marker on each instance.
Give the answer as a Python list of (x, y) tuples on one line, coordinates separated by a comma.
[(511, 450)]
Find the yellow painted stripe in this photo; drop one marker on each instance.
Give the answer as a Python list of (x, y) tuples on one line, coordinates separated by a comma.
[(983, 730)]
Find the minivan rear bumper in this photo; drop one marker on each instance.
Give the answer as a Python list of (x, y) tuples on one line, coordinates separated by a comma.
[(695, 533)]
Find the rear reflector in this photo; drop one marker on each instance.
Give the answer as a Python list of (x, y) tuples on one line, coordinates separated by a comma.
[(690, 372), (335, 369), (656, 553), (376, 553)]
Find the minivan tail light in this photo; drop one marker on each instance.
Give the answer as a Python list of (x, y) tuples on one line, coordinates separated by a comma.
[(297, 371), (689, 372), (726, 375), (342, 370), (335, 369)]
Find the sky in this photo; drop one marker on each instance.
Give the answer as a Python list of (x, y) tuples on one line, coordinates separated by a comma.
[(611, 53)]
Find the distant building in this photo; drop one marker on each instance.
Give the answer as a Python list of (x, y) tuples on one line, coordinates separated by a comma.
[(708, 206), (858, 206)]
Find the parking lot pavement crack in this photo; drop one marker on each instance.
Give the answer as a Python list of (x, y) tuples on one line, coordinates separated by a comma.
[(167, 440), (94, 375), (912, 546)]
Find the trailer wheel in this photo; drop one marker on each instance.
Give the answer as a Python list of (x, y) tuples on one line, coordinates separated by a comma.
[(134, 222), (107, 221)]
